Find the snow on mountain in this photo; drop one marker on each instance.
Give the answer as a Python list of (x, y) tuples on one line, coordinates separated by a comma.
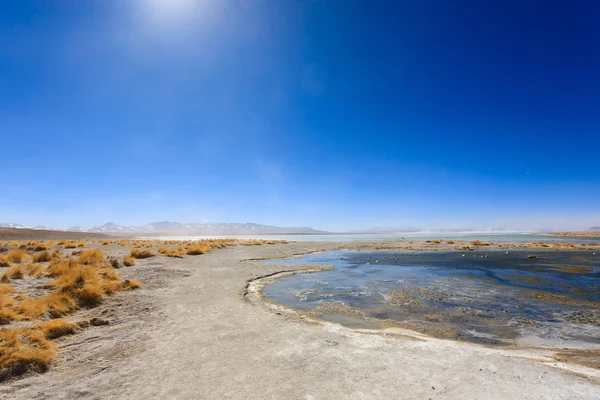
[(194, 228), (20, 226)]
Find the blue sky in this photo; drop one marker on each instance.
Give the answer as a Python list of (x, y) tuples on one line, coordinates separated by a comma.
[(333, 114)]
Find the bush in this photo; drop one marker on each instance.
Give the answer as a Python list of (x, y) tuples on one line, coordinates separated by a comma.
[(56, 328), (130, 284), (16, 256), (129, 261), (89, 257), (136, 253), (44, 256), (197, 249)]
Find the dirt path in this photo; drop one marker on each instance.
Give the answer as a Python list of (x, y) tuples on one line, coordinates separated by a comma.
[(190, 334)]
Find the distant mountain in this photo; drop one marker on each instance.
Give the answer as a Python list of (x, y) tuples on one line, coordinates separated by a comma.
[(594, 228), (20, 226), (168, 227)]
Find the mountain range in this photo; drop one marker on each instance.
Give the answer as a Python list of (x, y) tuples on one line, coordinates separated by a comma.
[(168, 227), (218, 228)]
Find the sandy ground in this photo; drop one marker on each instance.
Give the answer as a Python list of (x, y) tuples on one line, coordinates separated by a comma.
[(199, 330)]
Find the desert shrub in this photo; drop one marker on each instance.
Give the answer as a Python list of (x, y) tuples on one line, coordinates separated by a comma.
[(88, 257), (44, 256), (197, 249), (145, 253), (60, 304), (57, 267), (31, 308), (171, 253), (24, 349), (39, 247), (16, 256), (4, 262), (15, 272), (89, 295), (56, 328), (130, 284), (129, 261), (34, 269), (6, 316)]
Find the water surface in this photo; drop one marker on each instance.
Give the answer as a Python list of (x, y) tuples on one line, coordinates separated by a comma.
[(495, 297)]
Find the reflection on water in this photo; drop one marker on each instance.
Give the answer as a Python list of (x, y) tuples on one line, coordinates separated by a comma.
[(490, 297)]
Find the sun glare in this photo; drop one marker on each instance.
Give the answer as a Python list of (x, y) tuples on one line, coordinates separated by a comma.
[(172, 12)]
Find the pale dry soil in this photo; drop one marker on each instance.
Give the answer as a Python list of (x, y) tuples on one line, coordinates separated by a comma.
[(192, 332)]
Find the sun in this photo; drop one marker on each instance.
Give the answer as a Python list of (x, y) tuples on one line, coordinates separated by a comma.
[(172, 12)]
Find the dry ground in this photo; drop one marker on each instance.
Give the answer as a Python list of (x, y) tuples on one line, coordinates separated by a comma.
[(190, 332)]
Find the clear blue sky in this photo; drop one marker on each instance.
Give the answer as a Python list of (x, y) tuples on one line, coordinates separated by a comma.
[(333, 114)]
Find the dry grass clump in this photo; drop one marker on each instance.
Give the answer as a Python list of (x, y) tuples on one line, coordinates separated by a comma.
[(30, 308), (88, 257), (44, 256), (4, 262), (16, 272), (59, 304), (145, 253), (6, 316), (539, 244), (178, 253), (564, 246), (24, 349), (197, 249), (38, 246), (35, 270), (129, 261), (464, 248), (479, 243), (130, 284), (16, 256), (56, 328), (6, 303)]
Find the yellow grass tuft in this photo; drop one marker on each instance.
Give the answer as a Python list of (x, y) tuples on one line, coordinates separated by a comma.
[(130, 284), (89, 295), (129, 261), (60, 304), (39, 247), (171, 253), (56, 328), (145, 253), (88, 257), (44, 256), (24, 349), (31, 308), (34, 270), (16, 256), (197, 249), (6, 316), (15, 272), (4, 262)]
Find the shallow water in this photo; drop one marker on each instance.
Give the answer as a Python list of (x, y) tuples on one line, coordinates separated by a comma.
[(493, 297), (467, 236)]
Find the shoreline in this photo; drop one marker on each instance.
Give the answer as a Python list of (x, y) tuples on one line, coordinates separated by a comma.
[(254, 293), (191, 331)]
